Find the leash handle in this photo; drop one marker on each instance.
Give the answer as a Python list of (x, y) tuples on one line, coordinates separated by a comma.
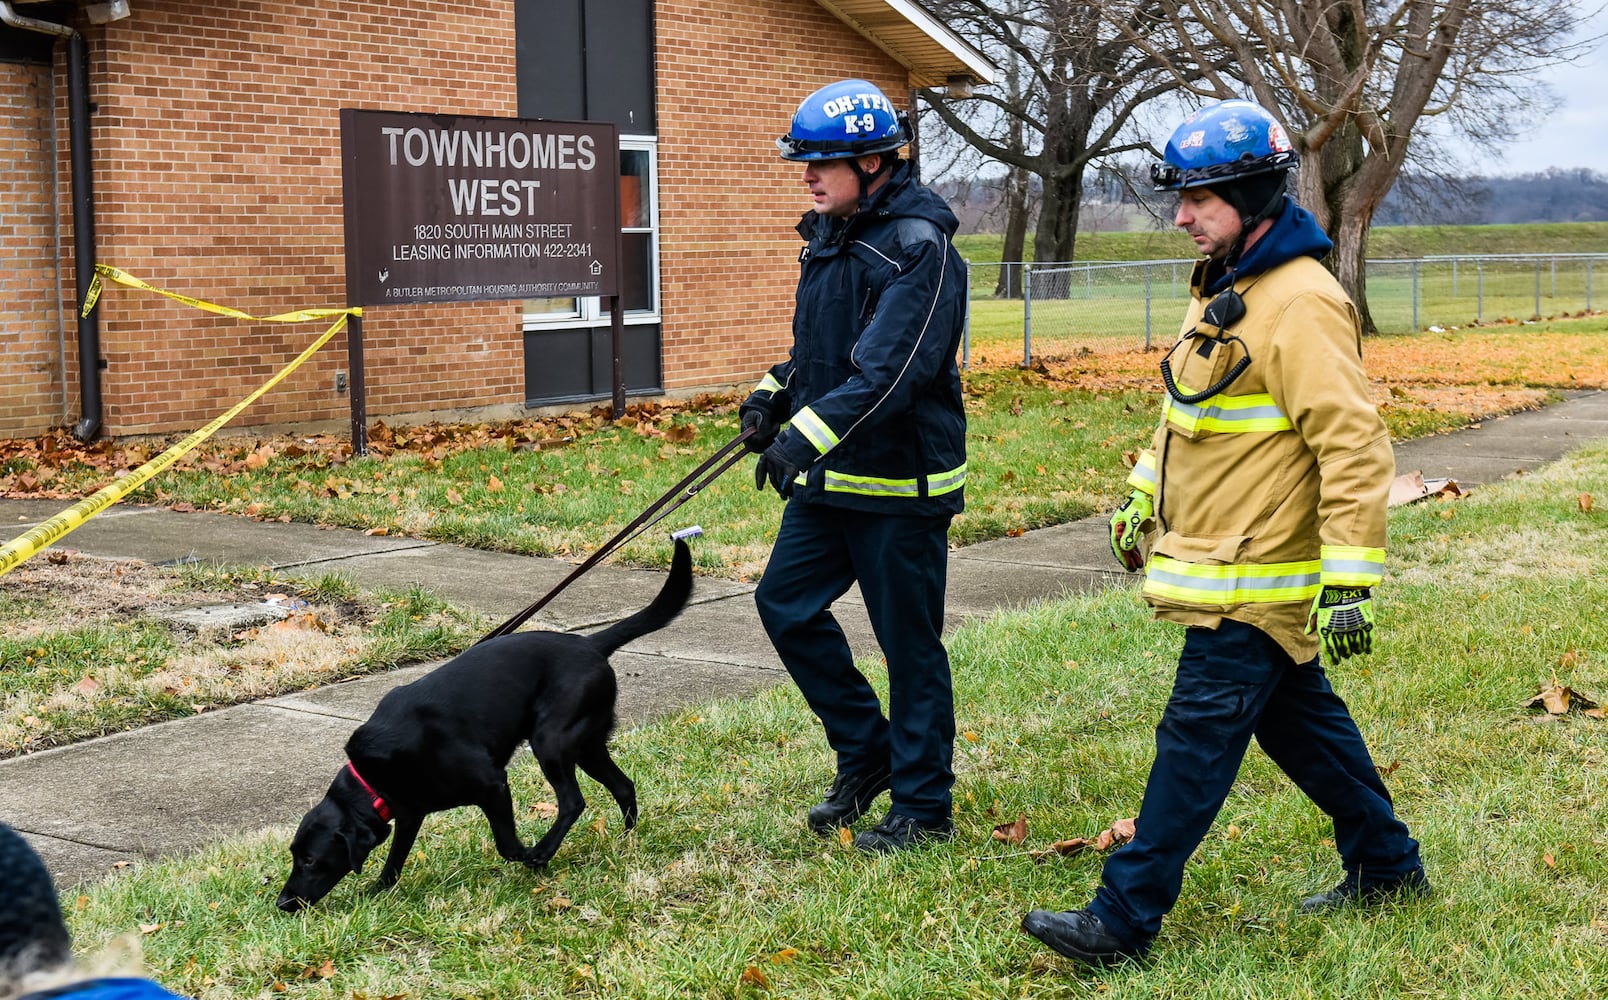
[(690, 486)]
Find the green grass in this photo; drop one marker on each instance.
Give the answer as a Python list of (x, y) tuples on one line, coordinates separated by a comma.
[(1485, 599), (1110, 303), (1383, 242), (113, 659)]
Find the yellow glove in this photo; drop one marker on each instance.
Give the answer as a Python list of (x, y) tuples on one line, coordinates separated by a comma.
[(1344, 618), (1125, 533)]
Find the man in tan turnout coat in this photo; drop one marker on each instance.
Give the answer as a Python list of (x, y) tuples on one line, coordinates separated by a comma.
[(1262, 505)]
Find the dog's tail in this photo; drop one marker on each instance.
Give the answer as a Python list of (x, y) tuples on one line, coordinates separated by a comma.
[(672, 598)]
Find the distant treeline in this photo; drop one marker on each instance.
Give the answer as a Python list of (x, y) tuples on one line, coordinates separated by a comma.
[(1555, 195), (1112, 202)]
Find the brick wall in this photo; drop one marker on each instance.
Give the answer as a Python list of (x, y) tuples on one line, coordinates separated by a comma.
[(30, 334), (217, 175), (217, 159), (730, 75)]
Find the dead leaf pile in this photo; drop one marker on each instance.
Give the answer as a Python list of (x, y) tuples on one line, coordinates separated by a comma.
[(57, 465)]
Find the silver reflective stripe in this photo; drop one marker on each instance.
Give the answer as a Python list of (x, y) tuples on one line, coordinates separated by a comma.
[(1229, 584), (1351, 567)]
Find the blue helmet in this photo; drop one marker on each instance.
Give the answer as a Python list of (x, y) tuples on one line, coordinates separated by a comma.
[(1223, 143), (844, 119)]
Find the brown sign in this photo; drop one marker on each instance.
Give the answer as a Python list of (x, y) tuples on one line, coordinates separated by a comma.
[(443, 208)]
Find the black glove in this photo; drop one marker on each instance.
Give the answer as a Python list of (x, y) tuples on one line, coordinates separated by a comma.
[(765, 429), (778, 469)]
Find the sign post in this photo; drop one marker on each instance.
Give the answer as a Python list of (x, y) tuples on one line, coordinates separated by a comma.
[(446, 208)]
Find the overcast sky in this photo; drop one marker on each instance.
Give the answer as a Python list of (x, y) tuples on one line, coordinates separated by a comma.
[(1577, 134)]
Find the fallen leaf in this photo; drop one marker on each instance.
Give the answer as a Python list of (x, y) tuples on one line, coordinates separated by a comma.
[(377, 531), (1062, 848), (845, 836), (754, 976), (454, 497), (87, 686), (783, 956), (1585, 503), (1550, 860), (1557, 699), (599, 826), (494, 485), (150, 928), (1012, 833)]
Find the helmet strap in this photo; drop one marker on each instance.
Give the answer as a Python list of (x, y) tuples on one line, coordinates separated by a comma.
[(885, 163)]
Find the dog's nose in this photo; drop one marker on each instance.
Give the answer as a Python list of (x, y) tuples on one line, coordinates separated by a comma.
[(290, 903)]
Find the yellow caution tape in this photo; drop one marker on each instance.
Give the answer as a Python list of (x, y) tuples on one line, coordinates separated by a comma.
[(50, 531)]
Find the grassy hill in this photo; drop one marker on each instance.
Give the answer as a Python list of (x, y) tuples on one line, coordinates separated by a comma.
[(1384, 242)]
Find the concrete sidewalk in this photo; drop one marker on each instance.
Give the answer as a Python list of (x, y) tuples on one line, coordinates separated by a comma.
[(174, 787)]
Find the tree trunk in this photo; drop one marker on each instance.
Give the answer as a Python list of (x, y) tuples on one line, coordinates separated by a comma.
[(1056, 237), (1344, 184), (1009, 285)]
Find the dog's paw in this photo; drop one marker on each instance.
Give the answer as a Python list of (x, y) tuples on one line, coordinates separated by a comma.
[(536, 858)]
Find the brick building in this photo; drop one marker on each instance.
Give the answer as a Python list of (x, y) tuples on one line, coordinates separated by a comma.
[(211, 148)]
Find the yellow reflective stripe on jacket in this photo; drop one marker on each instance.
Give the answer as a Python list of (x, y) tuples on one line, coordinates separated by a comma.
[(1352, 566), (873, 486), (1227, 414), (1143, 475), (768, 384), (814, 430), (1216, 584)]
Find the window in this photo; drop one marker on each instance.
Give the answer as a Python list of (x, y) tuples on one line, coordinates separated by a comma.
[(639, 250)]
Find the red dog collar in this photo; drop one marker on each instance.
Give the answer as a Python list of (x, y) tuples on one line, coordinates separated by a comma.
[(379, 803)]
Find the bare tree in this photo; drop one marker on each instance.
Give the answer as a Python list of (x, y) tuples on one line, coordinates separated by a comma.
[(1357, 81), (1074, 75)]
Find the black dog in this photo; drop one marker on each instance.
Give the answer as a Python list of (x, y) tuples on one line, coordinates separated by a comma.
[(445, 741)]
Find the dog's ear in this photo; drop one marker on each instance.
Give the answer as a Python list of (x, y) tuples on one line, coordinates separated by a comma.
[(356, 851), (359, 844)]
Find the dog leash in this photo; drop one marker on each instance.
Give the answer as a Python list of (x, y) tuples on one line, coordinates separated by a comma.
[(690, 486)]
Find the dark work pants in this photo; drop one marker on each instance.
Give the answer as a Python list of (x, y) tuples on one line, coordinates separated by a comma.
[(901, 563), (1232, 683)]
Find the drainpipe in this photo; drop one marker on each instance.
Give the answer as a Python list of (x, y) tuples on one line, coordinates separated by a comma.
[(83, 210)]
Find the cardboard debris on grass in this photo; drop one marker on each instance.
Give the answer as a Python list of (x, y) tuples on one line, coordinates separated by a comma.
[(1116, 834), (1412, 487)]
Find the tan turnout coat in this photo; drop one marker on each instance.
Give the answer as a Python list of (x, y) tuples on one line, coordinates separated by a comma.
[(1278, 483)]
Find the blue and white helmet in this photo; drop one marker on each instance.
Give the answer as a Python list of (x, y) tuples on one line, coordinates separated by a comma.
[(1222, 143), (844, 119)]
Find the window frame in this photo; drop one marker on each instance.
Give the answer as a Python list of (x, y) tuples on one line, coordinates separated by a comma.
[(590, 311)]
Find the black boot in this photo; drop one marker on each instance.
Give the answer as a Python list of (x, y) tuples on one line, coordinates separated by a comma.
[(851, 794), (1354, 892), (898, 831), (1078, 934)]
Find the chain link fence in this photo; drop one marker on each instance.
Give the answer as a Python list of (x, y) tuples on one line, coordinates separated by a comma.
[(1061, 308)]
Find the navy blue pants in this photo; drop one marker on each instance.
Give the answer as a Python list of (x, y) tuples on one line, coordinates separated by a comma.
[(1232, 683), (901, 563)]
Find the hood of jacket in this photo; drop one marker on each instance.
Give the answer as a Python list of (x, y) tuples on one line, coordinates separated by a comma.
[(899, 197), (1295, 233)]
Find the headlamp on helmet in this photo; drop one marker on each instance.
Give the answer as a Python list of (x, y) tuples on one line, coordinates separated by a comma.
[(1222, 143)]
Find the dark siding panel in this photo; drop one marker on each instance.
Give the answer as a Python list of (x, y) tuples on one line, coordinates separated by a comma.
[(550, 53), (619, 64), (565, 366)]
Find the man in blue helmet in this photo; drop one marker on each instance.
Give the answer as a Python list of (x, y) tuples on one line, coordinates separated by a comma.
[(862, 429), (1261, 505)]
